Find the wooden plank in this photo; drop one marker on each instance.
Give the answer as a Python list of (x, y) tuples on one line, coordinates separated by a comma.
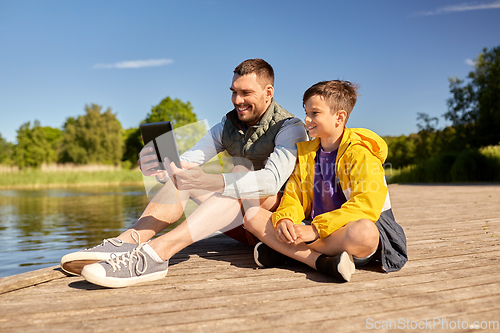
[(28, 279), (346, 297), (214, 286), (233, 294), (193, 278)]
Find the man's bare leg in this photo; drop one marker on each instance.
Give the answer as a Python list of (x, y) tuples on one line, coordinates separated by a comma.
[(166, 208), (215, 213)]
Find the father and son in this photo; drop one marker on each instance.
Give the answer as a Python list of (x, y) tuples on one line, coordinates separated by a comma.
[(323, 202)]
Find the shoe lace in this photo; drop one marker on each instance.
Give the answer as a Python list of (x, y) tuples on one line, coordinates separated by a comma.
[(126, 259), (115, 241)]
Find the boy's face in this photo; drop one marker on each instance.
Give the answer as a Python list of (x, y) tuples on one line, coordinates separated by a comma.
[(320, 121), (249, 98)]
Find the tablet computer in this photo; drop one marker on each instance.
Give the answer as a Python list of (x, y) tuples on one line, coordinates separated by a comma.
[(161, 136)]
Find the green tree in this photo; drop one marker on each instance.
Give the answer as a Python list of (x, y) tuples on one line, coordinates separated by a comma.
[(474, 108), (6, 151), (36, 145), (133, 145), (174, 110), (446, 140), (401, 151), (425, 145), (95, 137)]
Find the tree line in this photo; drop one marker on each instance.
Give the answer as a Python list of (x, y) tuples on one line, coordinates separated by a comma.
[(468, 149), (96, 137)]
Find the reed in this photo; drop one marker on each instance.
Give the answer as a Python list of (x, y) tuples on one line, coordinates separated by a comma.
[(55, 177), (469, 165), (73, 175)]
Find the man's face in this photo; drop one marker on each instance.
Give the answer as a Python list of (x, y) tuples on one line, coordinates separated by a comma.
[(249, 98)]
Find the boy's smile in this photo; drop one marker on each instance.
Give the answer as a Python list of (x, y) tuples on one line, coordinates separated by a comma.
[(321, 123), (319, 120)]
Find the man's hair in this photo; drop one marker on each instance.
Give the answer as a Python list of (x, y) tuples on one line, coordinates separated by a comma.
[(264, 71), (339, 95)]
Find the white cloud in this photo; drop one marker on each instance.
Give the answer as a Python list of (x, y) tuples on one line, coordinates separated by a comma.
[(136, 64), (469, 62), (463, 7)]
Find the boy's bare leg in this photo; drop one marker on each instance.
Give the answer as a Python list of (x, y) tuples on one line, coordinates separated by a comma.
[(358, 238), (258, 222)]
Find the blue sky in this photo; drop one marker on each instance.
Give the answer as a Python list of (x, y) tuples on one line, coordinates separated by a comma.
[(57, 56)]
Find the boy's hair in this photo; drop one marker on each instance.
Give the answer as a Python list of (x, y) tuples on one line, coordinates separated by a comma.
[(264, 71), (340, 95)]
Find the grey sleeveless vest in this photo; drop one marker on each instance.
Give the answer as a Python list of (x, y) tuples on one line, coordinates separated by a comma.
[(253, 148)]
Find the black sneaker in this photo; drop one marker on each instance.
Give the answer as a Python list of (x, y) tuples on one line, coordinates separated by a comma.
[(267, 257)]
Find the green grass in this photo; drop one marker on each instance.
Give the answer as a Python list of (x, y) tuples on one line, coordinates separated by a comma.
[(36, 178), (470, 165), (491, 151), (61, 176)]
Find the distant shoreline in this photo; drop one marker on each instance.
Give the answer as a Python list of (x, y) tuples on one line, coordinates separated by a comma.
[(78, 185), (57, 177), (72, 176)]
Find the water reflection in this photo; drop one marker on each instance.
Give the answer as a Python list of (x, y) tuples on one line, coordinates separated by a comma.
[(37, 227)]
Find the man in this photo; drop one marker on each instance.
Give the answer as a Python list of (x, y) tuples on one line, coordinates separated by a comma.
[(260, 136)]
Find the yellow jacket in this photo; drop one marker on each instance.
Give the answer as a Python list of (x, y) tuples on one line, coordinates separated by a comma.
[(360, 175)]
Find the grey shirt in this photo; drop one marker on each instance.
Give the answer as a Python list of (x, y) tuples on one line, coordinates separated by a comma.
[(254, 184)]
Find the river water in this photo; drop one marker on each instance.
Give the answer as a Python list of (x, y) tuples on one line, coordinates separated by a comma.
[(38, 227)]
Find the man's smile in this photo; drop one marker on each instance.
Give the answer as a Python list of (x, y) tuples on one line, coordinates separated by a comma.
[(242, 108)]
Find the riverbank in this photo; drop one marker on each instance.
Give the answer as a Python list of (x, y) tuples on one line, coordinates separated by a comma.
[(36, 178), (71, 175)]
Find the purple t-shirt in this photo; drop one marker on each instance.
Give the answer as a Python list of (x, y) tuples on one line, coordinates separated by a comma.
[(327, 194)]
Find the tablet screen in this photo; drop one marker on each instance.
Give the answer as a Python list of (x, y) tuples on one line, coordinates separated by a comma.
[(161, 135)]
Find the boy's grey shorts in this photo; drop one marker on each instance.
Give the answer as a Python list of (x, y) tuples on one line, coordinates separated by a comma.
[(359, 262), (391, 251)]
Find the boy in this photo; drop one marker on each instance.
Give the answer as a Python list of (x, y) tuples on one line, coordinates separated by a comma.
[(339, 185)]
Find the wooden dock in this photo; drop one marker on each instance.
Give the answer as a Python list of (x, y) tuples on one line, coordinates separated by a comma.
[(450, 283)]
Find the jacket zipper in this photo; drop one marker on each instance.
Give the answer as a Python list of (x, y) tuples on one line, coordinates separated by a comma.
[(337, 167)]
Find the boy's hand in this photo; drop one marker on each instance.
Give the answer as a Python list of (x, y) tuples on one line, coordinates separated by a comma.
[(285, 231), (306, 233)]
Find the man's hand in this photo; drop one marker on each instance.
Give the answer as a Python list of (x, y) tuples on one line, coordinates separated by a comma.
[(147, 161), (192, 177)]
